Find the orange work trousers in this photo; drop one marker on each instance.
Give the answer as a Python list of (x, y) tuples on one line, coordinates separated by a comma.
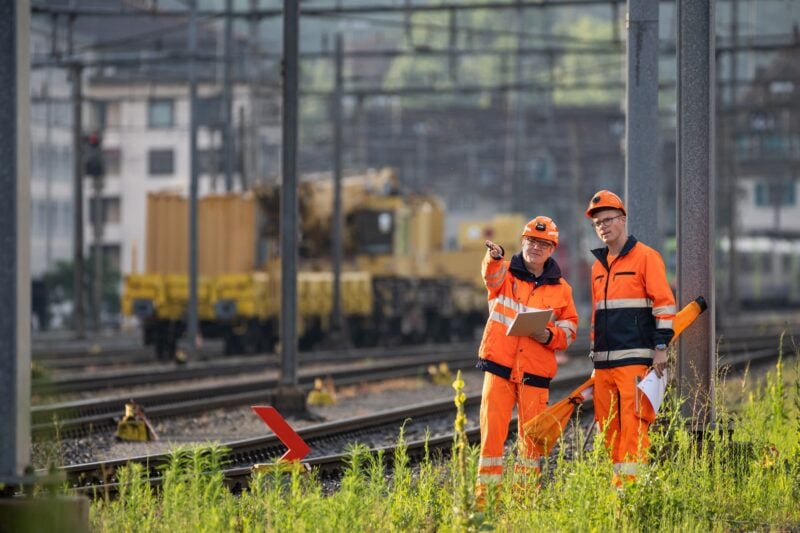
[(624, 413), (498, 400)]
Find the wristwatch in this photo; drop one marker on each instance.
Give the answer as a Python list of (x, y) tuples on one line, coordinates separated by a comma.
[(661, 346)]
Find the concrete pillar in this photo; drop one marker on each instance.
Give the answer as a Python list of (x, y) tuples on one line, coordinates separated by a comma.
[(642, 168), (15, 277), (695, 203)]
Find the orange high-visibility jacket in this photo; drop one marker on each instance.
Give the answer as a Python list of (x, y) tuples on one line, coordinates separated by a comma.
[(632, 306), (512, 289)]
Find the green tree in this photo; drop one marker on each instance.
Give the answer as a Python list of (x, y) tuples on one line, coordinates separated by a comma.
[(59, 283), (574, 69)]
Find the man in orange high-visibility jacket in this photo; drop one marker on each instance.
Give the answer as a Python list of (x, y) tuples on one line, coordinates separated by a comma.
[(632, 312), (519, 369)]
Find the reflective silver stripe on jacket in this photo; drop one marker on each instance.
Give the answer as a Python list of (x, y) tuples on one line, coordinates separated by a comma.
[(499, 274), (500, 317), (622, 303), (495, 280), (511, 303), (569, 328), (665, 310), (494, 284), (663, 324), (490, 461), (616, 355)]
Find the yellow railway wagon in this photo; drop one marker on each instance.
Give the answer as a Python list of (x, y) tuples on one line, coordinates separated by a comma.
[(398, 283), (159, 301)]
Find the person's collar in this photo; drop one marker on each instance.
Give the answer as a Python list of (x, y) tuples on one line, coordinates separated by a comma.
[(550, 275), (602, 253)]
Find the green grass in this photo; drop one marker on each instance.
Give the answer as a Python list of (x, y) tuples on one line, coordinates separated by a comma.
[(744, 479)]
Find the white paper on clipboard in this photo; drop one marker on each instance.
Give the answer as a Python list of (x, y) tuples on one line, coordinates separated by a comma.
[(529, 322), (654, 388)]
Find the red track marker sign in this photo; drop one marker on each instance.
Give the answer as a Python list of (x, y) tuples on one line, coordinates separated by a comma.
[(289, 437)]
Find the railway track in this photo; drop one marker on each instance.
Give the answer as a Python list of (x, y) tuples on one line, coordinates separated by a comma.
[(80, 356), (89, 379), (79, 382), (97, 478), (83, 417)]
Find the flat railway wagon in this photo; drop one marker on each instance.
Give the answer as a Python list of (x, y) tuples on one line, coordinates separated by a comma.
[(399, 284)]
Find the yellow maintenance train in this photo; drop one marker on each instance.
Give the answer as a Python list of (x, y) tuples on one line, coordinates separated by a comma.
[(399, 284)]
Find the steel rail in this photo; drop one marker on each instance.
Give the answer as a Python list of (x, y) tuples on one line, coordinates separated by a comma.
[(83, 417), (106, 379)]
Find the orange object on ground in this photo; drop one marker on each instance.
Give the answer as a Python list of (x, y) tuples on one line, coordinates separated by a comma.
[(546, 428)]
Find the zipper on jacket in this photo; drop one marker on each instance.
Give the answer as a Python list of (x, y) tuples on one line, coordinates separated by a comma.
[(605, 304)]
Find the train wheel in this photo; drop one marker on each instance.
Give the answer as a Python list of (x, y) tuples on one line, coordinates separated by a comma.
[(251, 338), (161, 350), (267, 337), (231, 342)]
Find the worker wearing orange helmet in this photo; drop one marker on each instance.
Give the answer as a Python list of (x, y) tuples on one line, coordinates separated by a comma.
[(518, 369), (632, 312)]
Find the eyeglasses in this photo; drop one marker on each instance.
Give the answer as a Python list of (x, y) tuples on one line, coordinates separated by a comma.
[(604, 221), (537, 243)]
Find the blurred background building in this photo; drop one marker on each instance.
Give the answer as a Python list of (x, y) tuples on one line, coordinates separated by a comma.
[(494, 111)]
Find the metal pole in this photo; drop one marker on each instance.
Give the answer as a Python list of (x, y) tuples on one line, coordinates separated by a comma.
[(733, 168), (77, 249), (289, 200), (242, 155), (337, 322), (192, 328), (48, 161), (642, 176), (99, 213), (227, 100), (15, 280), (695, 198), (251, 161), (520, 196)]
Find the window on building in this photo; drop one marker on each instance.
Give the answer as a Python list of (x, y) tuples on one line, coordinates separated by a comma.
[(111, 211), (746, 263), (161, 113), (781, 193), (97, 115), (787, 264), (112, 158), (67, 218), (790, 193), (210, 161), (112, 115), (762, 195), (160, 162)]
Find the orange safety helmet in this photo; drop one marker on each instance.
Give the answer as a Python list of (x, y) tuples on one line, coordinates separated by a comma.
[(605, 200), (542, 228)]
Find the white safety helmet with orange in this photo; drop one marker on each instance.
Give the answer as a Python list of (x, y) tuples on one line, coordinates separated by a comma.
[(542, 228)]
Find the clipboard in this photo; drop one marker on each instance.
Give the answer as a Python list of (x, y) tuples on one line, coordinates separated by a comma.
[(527, 323)]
